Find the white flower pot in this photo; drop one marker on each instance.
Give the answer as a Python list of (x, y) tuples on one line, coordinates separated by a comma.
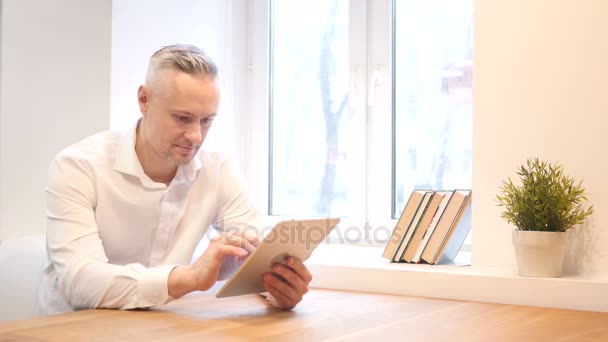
[(540, 254)]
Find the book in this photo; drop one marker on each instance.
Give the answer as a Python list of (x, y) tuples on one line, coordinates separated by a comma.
[(432, 226), (423, 224), (457, 234), (403, 223), (448, 219), (410, 230)]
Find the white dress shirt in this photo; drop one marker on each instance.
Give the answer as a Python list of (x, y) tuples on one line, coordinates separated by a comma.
[(114, 235)]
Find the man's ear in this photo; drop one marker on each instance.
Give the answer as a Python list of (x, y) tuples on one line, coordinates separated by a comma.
[(143, 98)]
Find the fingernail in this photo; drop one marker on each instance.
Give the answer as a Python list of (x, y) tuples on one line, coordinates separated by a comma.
[(290, 261)]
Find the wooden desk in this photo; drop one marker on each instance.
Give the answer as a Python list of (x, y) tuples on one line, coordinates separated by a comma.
[(323, 315)]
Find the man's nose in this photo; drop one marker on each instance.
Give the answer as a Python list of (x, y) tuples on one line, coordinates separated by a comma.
[(194, 134)]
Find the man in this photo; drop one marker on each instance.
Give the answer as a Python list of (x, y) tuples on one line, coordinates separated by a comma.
[(126, 211)]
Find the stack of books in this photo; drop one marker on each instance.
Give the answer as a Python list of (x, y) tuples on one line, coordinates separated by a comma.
[(432, 227)]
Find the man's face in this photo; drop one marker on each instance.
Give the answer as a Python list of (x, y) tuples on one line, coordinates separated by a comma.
[(178, 110)]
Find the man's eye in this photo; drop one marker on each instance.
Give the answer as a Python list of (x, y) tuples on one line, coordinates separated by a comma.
[(206, 121), (181, 118)]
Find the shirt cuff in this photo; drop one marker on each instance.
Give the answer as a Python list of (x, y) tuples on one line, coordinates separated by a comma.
[(154, 285)]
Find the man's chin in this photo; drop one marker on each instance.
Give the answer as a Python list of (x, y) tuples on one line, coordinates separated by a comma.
[(182, 159)]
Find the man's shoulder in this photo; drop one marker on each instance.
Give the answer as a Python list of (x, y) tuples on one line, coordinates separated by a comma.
[(211, 159), (96, 148), (219, 164)]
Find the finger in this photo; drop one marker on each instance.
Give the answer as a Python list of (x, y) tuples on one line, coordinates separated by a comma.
[(252, 238), (284, 300), (277, 299), (282, 287), (298, 266), (291, 277), (249, 237), (256, 242), (244, 243), (229, 250), (217, 238), (239, 241)]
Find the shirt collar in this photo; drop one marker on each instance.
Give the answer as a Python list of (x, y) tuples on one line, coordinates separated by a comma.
[(189, 171), (127, 162)]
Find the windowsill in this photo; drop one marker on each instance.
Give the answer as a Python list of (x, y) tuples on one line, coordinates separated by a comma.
[(357, 268)]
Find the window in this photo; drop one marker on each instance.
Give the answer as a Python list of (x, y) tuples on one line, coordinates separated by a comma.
[(367, 100), (433, 108), (309, 126)]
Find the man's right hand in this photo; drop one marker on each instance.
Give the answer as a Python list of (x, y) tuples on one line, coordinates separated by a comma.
[(217, 262)]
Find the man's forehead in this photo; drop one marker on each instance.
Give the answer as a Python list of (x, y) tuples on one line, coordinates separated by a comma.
[(169, 79)]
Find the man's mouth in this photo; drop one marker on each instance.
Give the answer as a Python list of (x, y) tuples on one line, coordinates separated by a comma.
[(185, 148)]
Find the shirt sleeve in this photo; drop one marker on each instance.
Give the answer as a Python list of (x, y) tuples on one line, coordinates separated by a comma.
[(85, 277), (236, 212)]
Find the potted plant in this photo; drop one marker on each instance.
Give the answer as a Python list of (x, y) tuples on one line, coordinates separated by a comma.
[(543, 207)]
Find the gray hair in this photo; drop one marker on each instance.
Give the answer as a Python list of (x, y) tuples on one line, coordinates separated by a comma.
[(182, 57)]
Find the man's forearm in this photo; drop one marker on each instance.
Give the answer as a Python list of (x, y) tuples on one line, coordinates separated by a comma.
[(181, 282)]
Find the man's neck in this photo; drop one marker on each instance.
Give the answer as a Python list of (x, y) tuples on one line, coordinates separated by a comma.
[(158, 169)]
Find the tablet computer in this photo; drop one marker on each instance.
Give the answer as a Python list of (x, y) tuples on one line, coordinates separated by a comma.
[(297, 238)]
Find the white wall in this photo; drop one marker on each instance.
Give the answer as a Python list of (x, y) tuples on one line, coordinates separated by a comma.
[(140, 27), (540, 90), (55, 82)]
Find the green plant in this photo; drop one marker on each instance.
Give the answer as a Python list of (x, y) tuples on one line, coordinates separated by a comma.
[(546, 200)]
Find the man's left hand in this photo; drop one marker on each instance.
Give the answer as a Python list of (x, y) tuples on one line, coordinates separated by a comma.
[(287, 292)]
